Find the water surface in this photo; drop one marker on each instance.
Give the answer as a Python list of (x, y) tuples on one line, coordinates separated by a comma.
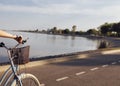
[(45, 45)]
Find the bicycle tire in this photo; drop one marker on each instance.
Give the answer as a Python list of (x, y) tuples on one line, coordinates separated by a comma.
[(24, 77)]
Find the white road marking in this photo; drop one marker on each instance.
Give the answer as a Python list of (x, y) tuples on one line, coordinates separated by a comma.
[(105, 65), (60, 79), (80, 73), (83, 72), (96, 68), (113, 63)]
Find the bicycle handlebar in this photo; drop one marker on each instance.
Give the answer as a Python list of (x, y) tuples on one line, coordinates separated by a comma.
[(2, 44)]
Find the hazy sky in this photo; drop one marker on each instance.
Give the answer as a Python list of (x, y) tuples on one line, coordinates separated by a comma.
[(44, 14)]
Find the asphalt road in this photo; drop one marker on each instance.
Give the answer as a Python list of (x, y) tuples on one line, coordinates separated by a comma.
[(95, 70)]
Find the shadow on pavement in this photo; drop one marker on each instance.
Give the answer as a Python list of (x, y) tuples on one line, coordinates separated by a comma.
[(91, 61)]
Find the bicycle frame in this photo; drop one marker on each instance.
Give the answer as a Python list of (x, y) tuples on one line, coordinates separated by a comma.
[(12, 68)]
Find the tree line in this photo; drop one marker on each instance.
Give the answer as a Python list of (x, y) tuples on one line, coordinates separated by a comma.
[(110, 29), (106, 29)]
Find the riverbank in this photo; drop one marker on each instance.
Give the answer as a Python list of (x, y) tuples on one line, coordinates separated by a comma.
[(65, 57), (114, 46), (114, 43)]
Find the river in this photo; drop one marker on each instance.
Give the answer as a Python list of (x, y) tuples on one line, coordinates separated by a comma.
[(45, 45)]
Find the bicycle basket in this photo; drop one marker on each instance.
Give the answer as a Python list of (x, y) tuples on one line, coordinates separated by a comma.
[(20, 55)]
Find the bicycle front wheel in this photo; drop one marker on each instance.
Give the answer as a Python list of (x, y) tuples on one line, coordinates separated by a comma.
[(26, 80)]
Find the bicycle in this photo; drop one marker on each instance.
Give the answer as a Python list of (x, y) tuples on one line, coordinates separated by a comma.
[(14, 78)]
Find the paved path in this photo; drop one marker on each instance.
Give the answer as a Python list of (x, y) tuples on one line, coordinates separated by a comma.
[(96, 70)]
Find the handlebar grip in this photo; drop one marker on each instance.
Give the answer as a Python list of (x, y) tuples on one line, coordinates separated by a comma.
[(2, 44), (24, 41)]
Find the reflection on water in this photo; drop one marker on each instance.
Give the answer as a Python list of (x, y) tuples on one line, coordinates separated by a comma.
[(44, 45)]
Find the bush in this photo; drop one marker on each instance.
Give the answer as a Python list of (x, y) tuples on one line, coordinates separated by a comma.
[(103, 44)]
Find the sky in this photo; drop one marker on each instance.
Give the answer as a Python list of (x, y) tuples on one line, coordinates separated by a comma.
[(46, 14)]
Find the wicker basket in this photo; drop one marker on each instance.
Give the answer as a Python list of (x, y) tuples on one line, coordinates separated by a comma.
[(20, 55)]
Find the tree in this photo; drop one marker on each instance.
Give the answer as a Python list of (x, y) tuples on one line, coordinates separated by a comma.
[(74, 28), (66, 31), (92, 31), (60, 31), (116, 28), (82, 33), (54, 30), (105, 28)]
